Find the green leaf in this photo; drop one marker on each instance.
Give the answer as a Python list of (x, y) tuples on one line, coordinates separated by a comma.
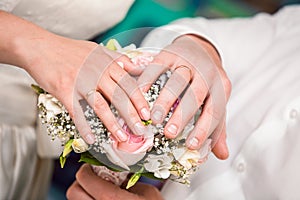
[(68, 148), (147, 122), (134, 178), (88, 158), (62, 160), (111, 45), (38, 89)]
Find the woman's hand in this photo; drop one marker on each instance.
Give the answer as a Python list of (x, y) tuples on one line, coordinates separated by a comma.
[(198, 75), (89, 186), (72, 70)]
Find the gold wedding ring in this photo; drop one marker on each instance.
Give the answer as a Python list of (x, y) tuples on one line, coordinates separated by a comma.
[(88, 94), (183, 66)]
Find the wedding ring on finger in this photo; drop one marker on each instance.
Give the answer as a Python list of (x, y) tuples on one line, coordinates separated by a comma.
[(89, 93), (185, 67)]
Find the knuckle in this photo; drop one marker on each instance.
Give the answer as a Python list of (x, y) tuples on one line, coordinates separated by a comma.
[(133, 116), (213, 112), (174, 88), (69, 193), (118, 96), (160, 59), (162, 106), (228, 86), (78, 175), (135, 94), (113, 127), (199, 94), (99, 104)]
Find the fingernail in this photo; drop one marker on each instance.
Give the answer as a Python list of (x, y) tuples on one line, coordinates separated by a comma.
[(172, 129), (121, 64), (157, 116), (121, 135), (140, 129), (145, 113), (194, 142), (90, 138)]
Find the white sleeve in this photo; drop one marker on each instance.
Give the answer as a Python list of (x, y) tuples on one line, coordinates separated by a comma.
[(239, 41), (8, 5)]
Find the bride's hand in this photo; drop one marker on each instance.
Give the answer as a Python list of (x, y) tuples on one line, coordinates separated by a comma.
[(72, 70), (90, 186), (196, 72)]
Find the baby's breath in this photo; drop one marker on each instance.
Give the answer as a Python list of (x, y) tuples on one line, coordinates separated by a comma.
[(162, 152), (58, 126), (98, 129)]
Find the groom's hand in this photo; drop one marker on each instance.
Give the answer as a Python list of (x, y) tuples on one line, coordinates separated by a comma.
[(197, 73), (90, 186)]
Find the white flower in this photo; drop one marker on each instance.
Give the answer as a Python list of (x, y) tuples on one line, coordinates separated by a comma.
[(159, 165), (79, 145), (51, 104), (191, 158)]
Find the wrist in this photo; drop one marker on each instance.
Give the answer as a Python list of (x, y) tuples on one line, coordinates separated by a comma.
[(205, 44), (18, 40), (28, 47)]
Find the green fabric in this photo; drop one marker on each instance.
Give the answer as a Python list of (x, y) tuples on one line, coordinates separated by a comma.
[(149, 13), (154, 13)]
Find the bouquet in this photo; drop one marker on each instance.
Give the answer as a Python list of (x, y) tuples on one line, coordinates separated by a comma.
[(152, 155)]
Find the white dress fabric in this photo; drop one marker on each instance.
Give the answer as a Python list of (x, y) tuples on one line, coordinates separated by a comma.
[(25, 148), (261, 56)]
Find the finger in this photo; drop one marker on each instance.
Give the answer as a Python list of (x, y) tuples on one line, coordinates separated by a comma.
[(128, 66), (103, 111), (161, 63), (145, 190), (125, 62), (220, 149), (204, 126), (213, 111), (76, 192), (81, 123), (150, 75), (176, 84), (182, 115), (120, 100), (187, 108), (129, 85), (99, 188)]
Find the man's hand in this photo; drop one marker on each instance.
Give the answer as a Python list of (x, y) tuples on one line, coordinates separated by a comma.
[(89, 186), (198, 77)]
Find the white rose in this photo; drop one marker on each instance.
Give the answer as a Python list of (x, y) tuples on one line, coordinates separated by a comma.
[(190, 158), (159, 165), (79, 145), (51, 104)]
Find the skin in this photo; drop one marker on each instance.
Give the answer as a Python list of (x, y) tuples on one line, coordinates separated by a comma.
[(196, 67), (211, 122), (89, 186), (40, 52), (72, 71)]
